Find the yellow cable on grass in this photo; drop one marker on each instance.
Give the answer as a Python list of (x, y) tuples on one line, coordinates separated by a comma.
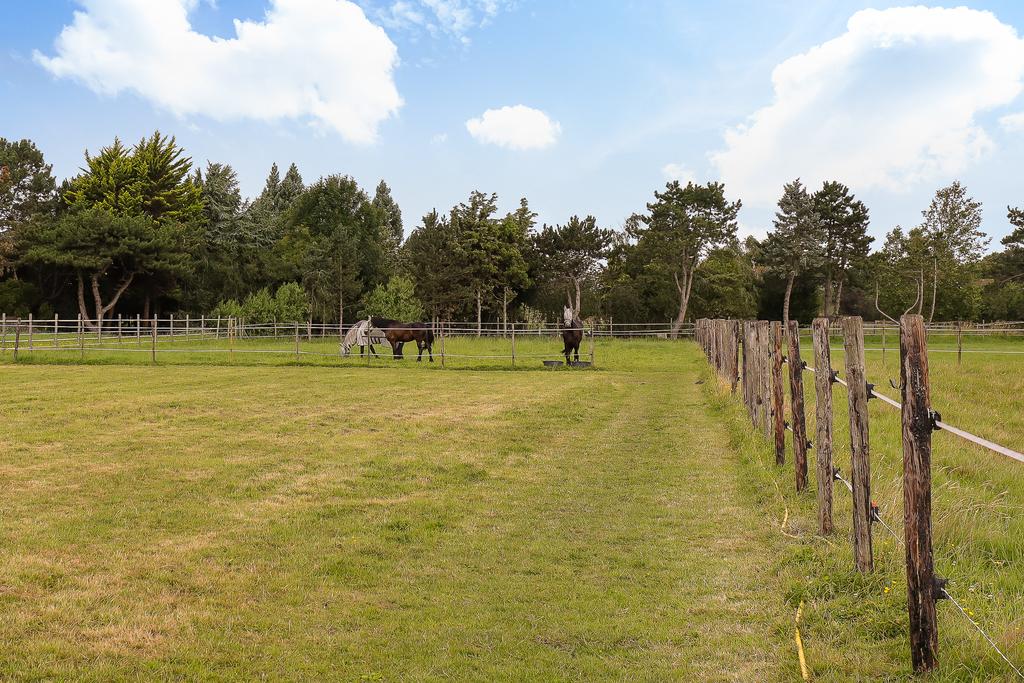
[(800, 645)]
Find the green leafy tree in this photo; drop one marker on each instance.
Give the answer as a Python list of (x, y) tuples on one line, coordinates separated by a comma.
[(725, 285), (793, 248), (28, 192), (288, 304), (334, 242), (151, 188), (431, 257), (572, 253), (680, 227), (396, 300), (845, 242), (954, 243), (106, 252)]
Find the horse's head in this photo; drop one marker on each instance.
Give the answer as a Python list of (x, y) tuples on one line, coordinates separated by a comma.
[(568, 315)]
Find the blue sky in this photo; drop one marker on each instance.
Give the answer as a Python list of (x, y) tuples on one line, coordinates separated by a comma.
[(581, 106)]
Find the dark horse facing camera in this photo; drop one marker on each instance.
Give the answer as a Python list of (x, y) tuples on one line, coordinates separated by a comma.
[(397, 333), (572, 333)]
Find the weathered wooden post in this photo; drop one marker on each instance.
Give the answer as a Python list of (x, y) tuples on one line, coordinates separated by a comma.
[(591, 346), (81, 338), (860, 466), (823, 422), (56, 331), (514, 346), (170, 327), (796, 406), (918, 423), (153, 345), (3, 332), (732, 338), (17, 339), (778, 395), (188, 325), (231, 337), (442, 343), (138, 329), (30, 326), (296, 340), (766, 379), (757, 373), (959, 342), (748, 369), (119, 330)]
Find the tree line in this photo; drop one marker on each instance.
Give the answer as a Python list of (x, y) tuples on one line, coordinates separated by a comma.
[(141, 230)]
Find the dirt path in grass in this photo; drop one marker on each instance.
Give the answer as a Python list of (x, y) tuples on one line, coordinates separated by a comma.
[(640, 557)]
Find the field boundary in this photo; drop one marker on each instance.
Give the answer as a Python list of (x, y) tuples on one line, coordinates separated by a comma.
[(748, 356)]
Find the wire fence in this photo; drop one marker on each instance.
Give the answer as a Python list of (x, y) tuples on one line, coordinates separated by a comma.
[(210, 338), (760, 375)]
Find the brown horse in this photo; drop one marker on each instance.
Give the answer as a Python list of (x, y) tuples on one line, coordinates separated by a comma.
[(572, 333), (398, 333)]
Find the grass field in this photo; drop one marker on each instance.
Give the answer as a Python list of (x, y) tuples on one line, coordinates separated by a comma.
[(196, 520)]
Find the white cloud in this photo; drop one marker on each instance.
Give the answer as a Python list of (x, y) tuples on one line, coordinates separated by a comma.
[(454, 17), (890, 103), (319, 60), (1013, 122), (517, 127), (439, 139), (678, 172)]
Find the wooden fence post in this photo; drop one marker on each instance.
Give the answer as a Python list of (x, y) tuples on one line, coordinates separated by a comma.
[(918, 423), (860, 466), (119, 330), (514, 348), (757, 373), (796, 406), (823, 423), (778, 395), (17, 339), (959, 341), (56, 330), (81, 338), (591, 346), (765, 376), (153, 345), (733, 332), (30, 326), (748, 371), (138, 329), (3, 332), (296, 340), (442, 343)]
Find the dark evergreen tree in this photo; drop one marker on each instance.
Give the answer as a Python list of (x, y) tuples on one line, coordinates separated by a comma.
[(845, 242), (793, 248)]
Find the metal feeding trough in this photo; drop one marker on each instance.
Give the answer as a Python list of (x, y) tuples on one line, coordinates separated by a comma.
[(553, 363)]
